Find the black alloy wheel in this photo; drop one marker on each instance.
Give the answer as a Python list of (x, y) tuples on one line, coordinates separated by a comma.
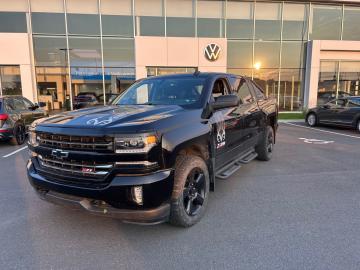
[(194, 192), (20, 134)]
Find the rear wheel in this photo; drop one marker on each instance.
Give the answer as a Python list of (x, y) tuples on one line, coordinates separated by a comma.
[(311, 119), (191, 191), (266, 147), (19, 134)]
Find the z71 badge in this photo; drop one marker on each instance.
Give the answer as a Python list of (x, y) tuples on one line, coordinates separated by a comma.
[(220, 130)]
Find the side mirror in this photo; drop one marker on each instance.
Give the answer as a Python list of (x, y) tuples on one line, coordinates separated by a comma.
[(226, 101)]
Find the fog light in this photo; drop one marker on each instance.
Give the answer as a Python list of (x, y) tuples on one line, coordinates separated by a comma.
[(137, 194)]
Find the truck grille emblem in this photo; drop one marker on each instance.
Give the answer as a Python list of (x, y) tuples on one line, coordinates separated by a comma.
[(59, 154)]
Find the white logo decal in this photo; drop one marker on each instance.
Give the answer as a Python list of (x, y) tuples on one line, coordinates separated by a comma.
[(212, 52)]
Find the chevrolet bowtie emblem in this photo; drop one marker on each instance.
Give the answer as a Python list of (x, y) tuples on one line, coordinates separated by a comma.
[(59, 154)]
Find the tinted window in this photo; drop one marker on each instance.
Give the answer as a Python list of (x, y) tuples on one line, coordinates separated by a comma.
[(116, 25), (27, 102), (13, 22), (258, 92), (50, 23), (19, 105), (83, 24), (243, 93), (354, 102), (220, 88)]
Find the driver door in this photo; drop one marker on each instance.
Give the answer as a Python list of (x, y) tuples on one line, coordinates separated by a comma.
[(328, 112)]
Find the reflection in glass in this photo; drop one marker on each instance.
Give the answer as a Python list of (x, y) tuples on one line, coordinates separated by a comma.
[(349, 79), (290, 95), (156, 71), (351, 23), (239, 23), (13, 22), (268, 80), (10, 80), (326, 22), (239, 54), (327, 86), (85, 51), (246, 72), (150, 19), (117, 25), (48, 23), (50, 51), (268, 21), (119, 52), (295, 18), (87, 80), (83, 24), (52, 87), (117, 80), (292, 54), (267, 54)]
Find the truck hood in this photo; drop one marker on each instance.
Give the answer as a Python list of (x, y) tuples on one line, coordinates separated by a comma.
[(111, 116)]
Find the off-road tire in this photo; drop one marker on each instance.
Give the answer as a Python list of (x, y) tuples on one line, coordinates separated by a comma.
[(266, 146), (185, 164)]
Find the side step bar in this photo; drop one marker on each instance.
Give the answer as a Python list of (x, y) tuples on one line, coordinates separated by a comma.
[(230, 168)]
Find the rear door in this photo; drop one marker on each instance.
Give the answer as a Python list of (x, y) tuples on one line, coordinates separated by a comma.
[(327, 113), (347, 115)]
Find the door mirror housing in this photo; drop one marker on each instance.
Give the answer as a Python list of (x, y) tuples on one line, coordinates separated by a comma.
[(226, 101)]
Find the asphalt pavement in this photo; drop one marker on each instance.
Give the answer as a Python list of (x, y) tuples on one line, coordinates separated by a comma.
[(298, 211)]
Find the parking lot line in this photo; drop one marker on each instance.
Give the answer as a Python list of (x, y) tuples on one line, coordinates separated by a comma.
[(326, 131), (14, 152)]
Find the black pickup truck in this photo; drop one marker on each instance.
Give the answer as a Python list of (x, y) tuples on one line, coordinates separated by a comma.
[(156, 152)]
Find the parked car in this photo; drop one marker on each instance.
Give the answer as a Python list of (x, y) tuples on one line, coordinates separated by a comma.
[(86, 99), (338, 112), (109, 98), (154, 155), (16, 115)]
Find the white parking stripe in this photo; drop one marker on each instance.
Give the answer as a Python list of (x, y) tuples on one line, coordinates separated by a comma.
[(16, 151), (326, 131)]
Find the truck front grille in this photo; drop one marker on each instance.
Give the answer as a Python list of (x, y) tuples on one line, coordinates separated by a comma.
[(76, 170), (80, 143)]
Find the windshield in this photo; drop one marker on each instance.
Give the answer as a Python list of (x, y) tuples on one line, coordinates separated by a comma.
[(164, 91)]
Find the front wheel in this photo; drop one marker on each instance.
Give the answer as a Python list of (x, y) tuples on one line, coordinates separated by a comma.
[(191, 191), (19, 134)]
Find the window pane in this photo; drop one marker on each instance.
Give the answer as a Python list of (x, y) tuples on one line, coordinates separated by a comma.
[(14, 5), (327, 81), (85, 79), (207, 27), (116, 7), (326, 22), (292, 55), (239, 54), (291, 96), (47, 6), (79, 6), (295, 21), (117, 25), (52, 87), (10, 80), (351, 23), (268, 21), (13, 22), (119, 52), (268, 80), (180, 21), (349, 82), (83, 24), (50, 51), (240, 21), (49, 23), (266, 54), (150, 26), (85, 51), (117, 80)]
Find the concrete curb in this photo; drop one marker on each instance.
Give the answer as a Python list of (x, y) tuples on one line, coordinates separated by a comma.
[(291, 121)]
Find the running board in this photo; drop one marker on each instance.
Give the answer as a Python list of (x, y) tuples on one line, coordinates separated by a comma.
[(230, 168)]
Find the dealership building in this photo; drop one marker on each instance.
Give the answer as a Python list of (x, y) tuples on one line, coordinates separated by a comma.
[(303, 53)]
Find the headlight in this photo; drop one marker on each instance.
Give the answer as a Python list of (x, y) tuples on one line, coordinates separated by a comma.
[(33, 138), (135, 143)]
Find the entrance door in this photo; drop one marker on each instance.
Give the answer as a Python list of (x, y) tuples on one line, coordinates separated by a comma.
[(156, 71)]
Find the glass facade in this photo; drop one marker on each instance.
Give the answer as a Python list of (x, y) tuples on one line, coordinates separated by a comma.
[(10, 80), (91, 47), (338, 79)]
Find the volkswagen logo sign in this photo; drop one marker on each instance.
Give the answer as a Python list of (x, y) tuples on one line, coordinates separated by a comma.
[(212, 52)]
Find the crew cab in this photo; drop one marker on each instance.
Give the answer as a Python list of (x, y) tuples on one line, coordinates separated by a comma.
[(156, 152)]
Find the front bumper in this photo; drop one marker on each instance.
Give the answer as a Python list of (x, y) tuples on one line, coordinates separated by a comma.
[(111, 200)]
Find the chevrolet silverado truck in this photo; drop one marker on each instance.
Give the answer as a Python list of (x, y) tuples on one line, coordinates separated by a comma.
[(155, 154)]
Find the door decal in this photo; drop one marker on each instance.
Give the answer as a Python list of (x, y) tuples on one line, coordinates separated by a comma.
[(220, 130)]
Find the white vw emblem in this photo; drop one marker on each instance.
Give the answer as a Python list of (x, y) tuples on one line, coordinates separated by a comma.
[(212, 52)]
